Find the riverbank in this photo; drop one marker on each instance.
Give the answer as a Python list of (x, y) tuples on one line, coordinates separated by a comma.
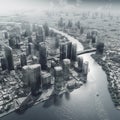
[(109, 62), (112, 79)]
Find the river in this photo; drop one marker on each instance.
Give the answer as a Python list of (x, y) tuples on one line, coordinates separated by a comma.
[(81, 104)]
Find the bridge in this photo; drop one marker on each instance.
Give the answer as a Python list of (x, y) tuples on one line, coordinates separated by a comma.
[(78, 53), (86, 51)]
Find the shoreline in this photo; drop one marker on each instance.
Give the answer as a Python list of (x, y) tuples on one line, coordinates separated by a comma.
[(113, 91), (110, 79)]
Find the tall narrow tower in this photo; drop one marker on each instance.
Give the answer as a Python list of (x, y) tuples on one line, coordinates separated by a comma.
[(9, 58)]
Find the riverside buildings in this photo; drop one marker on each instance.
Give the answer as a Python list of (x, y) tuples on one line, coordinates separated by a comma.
[(30, 68)]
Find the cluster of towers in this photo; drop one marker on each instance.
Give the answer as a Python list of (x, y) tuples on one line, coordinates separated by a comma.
[(92, 36), (62, 72), (36, 48), (68, 50)]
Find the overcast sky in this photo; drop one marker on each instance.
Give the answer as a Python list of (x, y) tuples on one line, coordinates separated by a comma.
[(11, 5)]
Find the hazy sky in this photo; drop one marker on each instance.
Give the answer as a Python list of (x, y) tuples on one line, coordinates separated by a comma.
[(11, 5)]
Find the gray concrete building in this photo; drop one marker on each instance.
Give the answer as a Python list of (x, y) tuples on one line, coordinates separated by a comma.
[(32, 77), (59, 81), (9, 58), (66, 69), (43, 55)]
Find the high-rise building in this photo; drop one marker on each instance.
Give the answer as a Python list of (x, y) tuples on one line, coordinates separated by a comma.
[(9, 57), (69, 48), (43, 55), (23, 60), (74, 52), (63, 51), (46, 29), (59, 81), (30, 49), (32, 77), (34, 27), (66, 69), (80, 63), (6, 35), (4, 63), (40, 35), (12, 42), (30, 39)]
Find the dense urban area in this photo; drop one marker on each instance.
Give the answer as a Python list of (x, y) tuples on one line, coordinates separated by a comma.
[(38, 61)]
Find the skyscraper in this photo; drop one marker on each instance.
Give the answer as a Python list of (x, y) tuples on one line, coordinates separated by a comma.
[(63, 51), (9, 58), (23, 59), (74, 52), (32, 77), (80, 63), (66, 68), (30, 49), (69, 48), (59, 81), (43, 55), (4, 63)]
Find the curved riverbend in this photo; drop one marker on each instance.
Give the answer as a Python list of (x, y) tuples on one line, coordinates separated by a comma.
[(80, 104)]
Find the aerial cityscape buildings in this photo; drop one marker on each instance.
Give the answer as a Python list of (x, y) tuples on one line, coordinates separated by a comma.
[(57, 64)]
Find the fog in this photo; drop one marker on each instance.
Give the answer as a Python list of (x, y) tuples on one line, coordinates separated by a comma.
[(8, 7)]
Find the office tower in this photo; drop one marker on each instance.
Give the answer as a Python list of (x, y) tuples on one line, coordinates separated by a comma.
[(70, 24), (100, 48), (4, 63), (32, 77), (39, 38), (94, 39), (88, 35), (63, 51), (6, 35), (40, 35), (81, 30), (57, 42), (43, 55), (17, 42), (46, 29), (74, 52), (69, 48), (23, 60), (30, 49), (59, 82), (80, 63), (66, 69), (9, 57), (27, 28), (35, 59), (85, 68), (30, 39), (34, 27), (12, 42)]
